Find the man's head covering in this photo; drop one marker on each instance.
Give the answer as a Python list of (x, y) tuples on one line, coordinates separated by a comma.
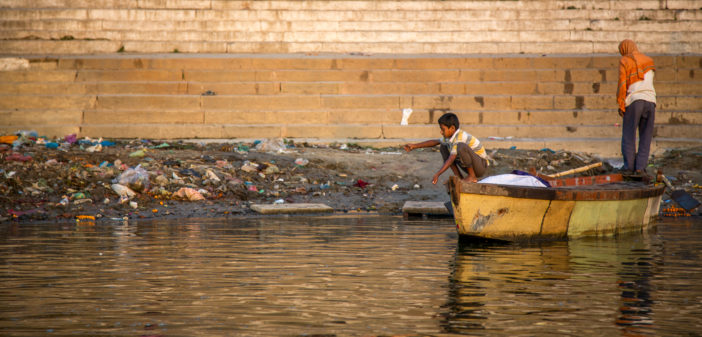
[(628, 49)]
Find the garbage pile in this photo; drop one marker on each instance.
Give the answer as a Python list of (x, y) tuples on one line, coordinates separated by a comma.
[(42, 178), (74, 178)]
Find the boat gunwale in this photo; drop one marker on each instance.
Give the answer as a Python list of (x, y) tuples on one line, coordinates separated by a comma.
[(590, 193)]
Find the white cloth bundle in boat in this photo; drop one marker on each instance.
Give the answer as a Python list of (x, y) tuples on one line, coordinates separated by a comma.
[(513, 179)]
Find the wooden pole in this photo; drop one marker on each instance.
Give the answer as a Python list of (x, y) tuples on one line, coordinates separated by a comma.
[(575, 170)]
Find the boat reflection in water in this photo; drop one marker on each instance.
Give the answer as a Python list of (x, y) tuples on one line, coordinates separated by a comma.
[(343, 276), (584, 287)]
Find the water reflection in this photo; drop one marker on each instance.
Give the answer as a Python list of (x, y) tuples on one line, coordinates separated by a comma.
[(340, 276), (581, 287), (284, 276)]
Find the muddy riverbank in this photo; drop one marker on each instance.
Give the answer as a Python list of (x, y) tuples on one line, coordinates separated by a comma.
[(45, 180)]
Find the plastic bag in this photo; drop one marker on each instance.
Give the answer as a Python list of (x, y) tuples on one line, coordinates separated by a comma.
[(135, 178), (123, 191), (271, 145), (188, 193)]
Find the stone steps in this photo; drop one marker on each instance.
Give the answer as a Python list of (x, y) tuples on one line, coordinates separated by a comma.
[(89, 46), (359, 5), (524, 100), (324, 102), (363, 26), (78, 28)]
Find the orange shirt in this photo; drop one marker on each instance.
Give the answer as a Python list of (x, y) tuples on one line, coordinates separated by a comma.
[(632, 68)]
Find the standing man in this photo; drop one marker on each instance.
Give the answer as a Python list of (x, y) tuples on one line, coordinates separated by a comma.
[(637, 105)]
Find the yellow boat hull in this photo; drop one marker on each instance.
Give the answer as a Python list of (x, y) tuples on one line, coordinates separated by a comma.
[(515, 213)]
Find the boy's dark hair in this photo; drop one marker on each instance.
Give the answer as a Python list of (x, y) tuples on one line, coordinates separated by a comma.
[(448, 120)]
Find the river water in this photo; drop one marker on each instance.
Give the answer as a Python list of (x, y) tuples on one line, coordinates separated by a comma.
[(343, 276)]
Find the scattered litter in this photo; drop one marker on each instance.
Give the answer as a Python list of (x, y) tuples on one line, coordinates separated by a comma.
[(188, 193), (406, 113), (18, 157), (271, 145), (137, 179), (137, 154), (271, 169), (8, 139), (360, 183), (62, 178), (122, 190), (249, 167), (675, 212), (94, 148), (71, 139), (211, 175)]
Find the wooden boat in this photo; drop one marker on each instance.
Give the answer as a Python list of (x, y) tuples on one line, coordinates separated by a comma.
[(575, 207)]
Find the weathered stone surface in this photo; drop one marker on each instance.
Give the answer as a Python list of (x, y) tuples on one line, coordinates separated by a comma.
[(424, 207), (291, 208), (528, 101)]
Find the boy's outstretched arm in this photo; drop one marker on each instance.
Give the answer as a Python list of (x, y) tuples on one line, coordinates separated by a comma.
[(447, 164), (428, 143)]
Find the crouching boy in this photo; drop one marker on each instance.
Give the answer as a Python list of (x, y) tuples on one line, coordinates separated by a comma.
[(460, 150)]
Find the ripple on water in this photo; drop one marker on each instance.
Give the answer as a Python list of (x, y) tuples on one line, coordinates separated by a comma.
[(340, 275)]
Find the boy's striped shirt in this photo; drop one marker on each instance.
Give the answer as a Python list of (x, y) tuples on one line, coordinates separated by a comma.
[(461, 136)]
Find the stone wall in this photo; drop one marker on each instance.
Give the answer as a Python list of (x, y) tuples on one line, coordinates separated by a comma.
[(531, 74), (395, 27), (528, 101)]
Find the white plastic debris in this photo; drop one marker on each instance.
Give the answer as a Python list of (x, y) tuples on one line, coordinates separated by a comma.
[(123, 191), (212, 176), (406, 113), (271, 145)]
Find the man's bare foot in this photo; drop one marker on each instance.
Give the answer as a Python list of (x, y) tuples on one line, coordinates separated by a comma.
[(470, 179)]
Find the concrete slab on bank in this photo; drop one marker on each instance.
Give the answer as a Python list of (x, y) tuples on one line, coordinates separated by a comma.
[(291, 208), (425, 208)]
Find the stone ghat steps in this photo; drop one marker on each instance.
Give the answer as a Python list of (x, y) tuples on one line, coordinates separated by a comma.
[(142, 87), (317, 102), (153, 30), (219, 26), (526, 101), (356, 4)]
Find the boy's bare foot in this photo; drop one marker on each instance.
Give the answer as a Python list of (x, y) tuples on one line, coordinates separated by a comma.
[(470, 179)]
